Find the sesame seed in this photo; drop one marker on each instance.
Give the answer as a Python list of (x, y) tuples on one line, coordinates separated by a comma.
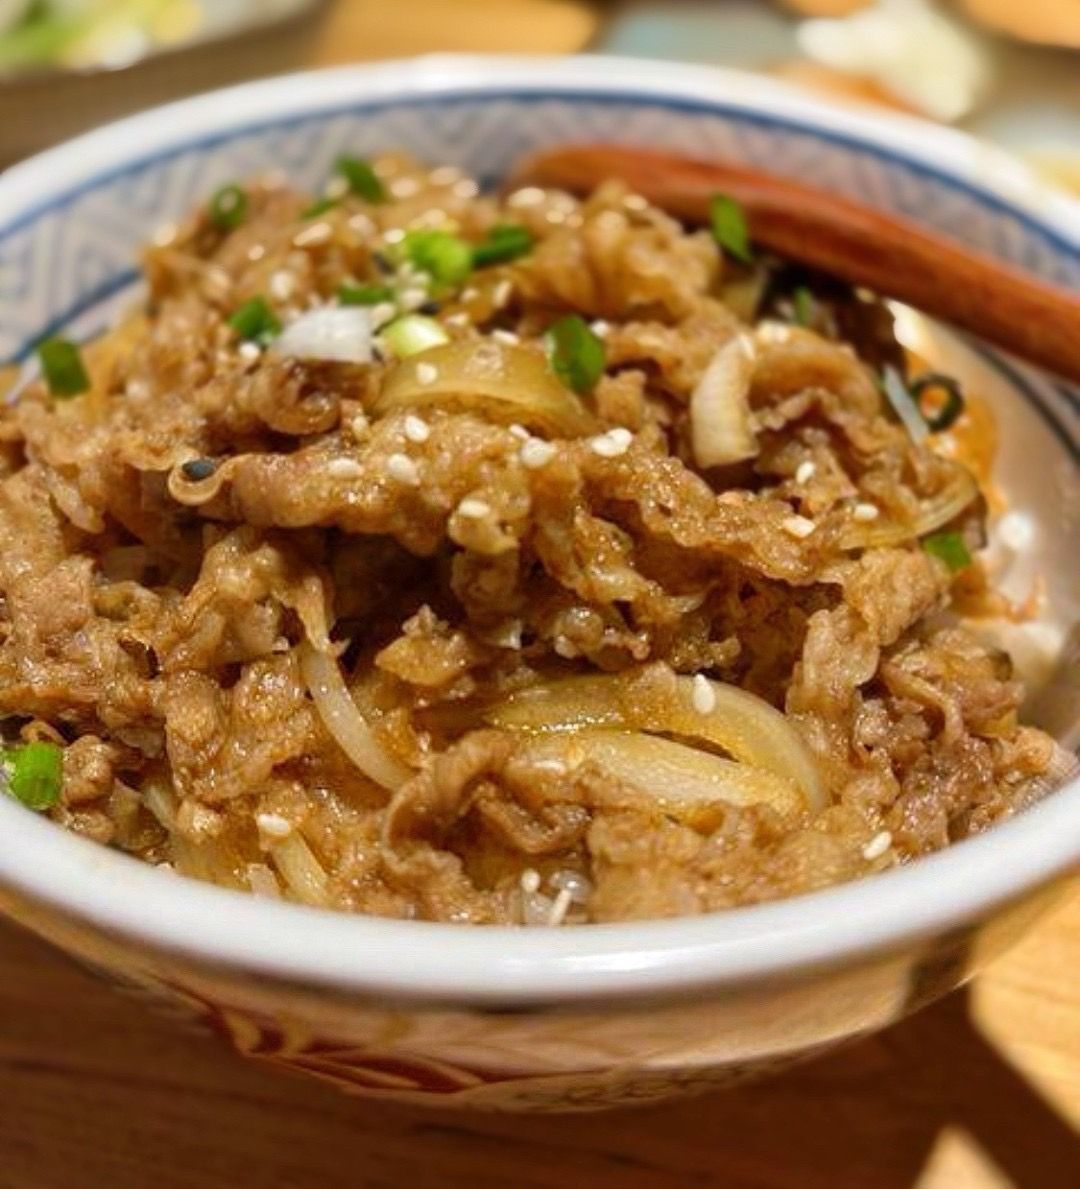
[(416, 428), (412, 298), (877, 845), (536, 453), (502, 293), (256, 252), (806, 471), (362, 224), (394, 235), (505, 336), (249, 352), (703, 695), (560, 908), (526, 196), (578, 885), (530, 881), (470, 293), (459, 319), (382, 313), (634, 202), (165, 235), (473, 509), (273, 825), (402, 468), (359, 425), (466, 188), (404, 187), (600, 328), (519, 431), (317, 233), (773, 332), (565, 648), (344, 468), (336, 187), (866, 512), (613, 443), (282, 285), (798, 526), (137, 389), (427, 373), (444, 175), (556, 767)]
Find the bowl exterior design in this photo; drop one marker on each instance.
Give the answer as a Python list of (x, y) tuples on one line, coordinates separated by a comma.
[(66, 262)]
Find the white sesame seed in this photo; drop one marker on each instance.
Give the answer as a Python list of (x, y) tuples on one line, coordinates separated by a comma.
[(613, 443), (444, 175), (556, 767), (137, 389), (273, 825), (560, 908), (165, 235), (600, 328), (473, 509), (798, 526), (337, 187), (773, 332), (282, 285), (865, 512), (416, 428), (466, 188), (383, 312), (579, 886), (344, 468), (634, 202), (427, 373), (877, 845), (461, 318), (470, 293), (404, 187), (806, 471), (526, 196), (402, 468), (256, 252), (249, 352), (530, 881), (565, 648), (359, 425), (519, 431), (505, 336), (362, 224), (703, 696), (536, 453), (502, 293), (317, 233), (394, 235), (412, 297)]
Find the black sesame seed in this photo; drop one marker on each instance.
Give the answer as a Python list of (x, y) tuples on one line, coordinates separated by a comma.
[(199, 468), (429, 307), (383, 263)]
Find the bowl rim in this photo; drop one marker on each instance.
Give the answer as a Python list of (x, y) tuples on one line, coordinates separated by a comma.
[(123, 898)]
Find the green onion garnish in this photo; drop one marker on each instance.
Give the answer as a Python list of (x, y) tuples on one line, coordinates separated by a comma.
[(414, 333), (319, 207), (255, 321), (364, 295), (446, 258), (228, 208), (35, 774), (903, 403), (577, 355), (729, 227), (949, 548), (63, 368), (361, 177), (803, 306), (505, 242), (952, 407)]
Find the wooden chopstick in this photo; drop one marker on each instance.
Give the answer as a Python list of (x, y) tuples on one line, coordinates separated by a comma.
[(893, 257)]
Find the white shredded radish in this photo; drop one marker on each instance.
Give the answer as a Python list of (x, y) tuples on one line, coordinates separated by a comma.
[(720, 429), (340, 334), (345, 722)]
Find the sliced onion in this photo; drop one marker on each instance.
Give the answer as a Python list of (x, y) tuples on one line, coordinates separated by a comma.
[(508, 382), (679, 778), (344, 721), (720, 427), (303, 874), (340, 334), (743, 725), (903, 403), (958, 494)]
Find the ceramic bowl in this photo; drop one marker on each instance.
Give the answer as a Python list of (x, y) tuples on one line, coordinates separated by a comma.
[(515, 1019)]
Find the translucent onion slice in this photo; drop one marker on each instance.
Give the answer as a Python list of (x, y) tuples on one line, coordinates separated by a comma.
[(741, 724), (679, 778), (961, 492), (345, 722), (301, 871), (507, 382), (720, 428)]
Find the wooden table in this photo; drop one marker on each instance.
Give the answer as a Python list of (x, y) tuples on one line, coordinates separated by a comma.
[(981, 1091)]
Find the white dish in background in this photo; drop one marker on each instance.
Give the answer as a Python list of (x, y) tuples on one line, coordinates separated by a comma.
[(545, 1018)]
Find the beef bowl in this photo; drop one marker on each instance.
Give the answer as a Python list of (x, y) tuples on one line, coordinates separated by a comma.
[(501, 646)]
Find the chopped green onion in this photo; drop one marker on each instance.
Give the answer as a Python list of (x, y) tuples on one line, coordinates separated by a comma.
[(361, 177), (803, 306), (505, 242), (319, 207), (447, 258), (414, 333), (949, 548), (577, 355), (255, 321), (364, 295), (35, 774), (228, 208), (729, 227), (903, 403), (62, 367), (953, 406)]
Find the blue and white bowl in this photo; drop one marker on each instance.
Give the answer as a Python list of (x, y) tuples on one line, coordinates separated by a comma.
[(549, 1018)]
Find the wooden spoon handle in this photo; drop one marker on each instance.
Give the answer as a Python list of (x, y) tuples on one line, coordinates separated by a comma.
[(892, 256)]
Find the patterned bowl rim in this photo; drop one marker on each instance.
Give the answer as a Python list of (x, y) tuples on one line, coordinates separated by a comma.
[(421, 962)]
